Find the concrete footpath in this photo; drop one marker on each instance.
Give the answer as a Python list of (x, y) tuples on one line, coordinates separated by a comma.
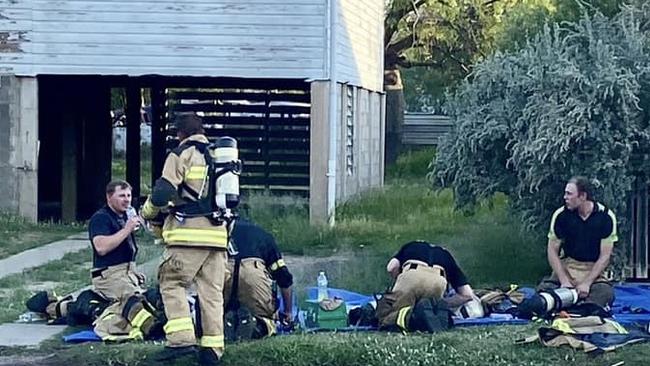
[(39, 256)]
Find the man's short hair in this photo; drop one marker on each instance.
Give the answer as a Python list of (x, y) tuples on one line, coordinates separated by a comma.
[(188, 124), (114, 185), (583, 184)]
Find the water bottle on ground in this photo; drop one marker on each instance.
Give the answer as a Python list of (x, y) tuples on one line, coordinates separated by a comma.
[(322, 286)]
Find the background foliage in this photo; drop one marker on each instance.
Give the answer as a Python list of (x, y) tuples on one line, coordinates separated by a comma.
[(448, 37), (573, 101)]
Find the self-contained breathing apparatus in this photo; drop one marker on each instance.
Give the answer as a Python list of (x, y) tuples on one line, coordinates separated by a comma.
[(547, 302), (219, 193)]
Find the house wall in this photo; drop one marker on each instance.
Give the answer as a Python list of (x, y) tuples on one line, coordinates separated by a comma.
[(360, 43), (360, 145), (251, 38)]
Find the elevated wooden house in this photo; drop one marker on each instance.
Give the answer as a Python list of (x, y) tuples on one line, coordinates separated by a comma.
[(297, 82)]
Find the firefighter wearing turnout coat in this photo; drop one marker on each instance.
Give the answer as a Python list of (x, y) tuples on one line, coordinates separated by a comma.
[(421, 271), (195, 248), (260, 263)]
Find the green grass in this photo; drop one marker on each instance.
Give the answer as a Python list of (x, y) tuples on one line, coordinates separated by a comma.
[(413, 164), (18, 234), (379, 222), (490, 346)]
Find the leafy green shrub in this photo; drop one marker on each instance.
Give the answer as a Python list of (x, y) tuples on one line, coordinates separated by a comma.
[(573, 101)]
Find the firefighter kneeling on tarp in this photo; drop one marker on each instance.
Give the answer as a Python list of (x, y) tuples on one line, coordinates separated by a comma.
[(196, 236), (423, 271), (251, 302)]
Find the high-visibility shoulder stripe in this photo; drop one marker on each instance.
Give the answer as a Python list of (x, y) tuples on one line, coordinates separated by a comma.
[(613, 236), (278, 264), (196, 172), (551, 231)]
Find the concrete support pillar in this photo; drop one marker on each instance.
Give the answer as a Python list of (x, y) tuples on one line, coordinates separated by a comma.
[(19, 145), (319, 151)]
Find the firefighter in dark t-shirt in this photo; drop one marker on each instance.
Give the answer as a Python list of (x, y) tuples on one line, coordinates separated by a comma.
[(585, 230), (261, 264), (422, 270)]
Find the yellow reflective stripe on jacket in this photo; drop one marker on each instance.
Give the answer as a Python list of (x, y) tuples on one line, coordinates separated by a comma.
[(148, 210), (179, 325), (218, 238), (563, 326), (402, 322), (277, 265), (196, 172), (141, 317), (211, 341)]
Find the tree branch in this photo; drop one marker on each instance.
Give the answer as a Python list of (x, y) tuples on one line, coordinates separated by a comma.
[(402, 44), (395, 16)]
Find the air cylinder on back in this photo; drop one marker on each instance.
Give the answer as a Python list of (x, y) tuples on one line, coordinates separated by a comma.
[(227, 185)]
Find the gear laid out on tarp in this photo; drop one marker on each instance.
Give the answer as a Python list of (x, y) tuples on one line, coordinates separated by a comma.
[(592, 334), (632, 306)]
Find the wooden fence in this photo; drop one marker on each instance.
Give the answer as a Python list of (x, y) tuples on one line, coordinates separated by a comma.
[(639, 253), (270, 123)]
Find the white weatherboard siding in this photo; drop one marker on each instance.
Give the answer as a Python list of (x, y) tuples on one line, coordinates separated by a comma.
[(239, 38), (360, 40)]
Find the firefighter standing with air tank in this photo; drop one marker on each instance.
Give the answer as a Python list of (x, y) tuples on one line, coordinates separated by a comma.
[(196, 236)]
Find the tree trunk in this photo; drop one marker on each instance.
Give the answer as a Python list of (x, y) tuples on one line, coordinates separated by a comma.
[(395, 105)]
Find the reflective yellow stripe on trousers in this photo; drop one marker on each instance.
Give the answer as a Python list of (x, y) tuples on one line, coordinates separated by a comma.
[(218, 238), (401, 317), (179, 325), (211, 341), (141, 317)]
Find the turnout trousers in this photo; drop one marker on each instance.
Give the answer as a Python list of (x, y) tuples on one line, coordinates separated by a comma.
[(601, 291), (255, 290), (417, 281), (206, 267), (129, 317)]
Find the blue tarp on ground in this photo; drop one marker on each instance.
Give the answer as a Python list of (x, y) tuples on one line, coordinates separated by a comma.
[(632, 306)]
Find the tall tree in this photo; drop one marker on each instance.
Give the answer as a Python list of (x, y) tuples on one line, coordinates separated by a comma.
[(444, 34)]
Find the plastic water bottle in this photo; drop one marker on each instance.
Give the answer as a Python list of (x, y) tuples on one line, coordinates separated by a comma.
[(130, 213), (322, 286)]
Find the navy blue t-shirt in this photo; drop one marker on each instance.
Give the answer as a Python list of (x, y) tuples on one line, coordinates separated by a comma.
[(254, 242), (433, 255), (106, 222)]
